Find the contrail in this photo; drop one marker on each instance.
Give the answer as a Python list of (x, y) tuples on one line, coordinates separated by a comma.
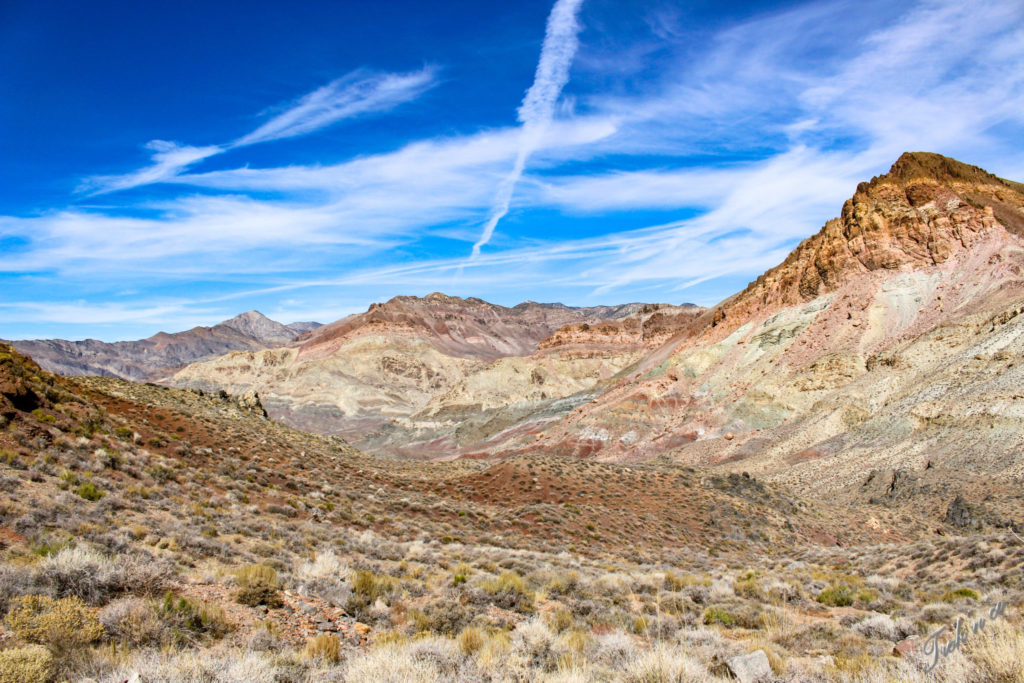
[(538, 107)]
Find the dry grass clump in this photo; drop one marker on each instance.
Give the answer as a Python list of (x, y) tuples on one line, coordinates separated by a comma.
[(426, 661), (510, 590), (666, 663), (471, 639), (258, 585), (997, 653), (324, 648), (220, 664)]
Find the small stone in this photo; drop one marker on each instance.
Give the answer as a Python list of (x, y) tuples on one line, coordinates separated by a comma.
[(750, 668), (729, 436), (905, 646)]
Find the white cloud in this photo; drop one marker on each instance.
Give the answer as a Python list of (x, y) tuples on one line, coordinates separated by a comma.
[(169, 159), (353, 95), (348, 97)]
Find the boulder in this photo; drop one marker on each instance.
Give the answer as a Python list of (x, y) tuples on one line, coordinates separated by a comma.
[(752, 668), (250, 401)]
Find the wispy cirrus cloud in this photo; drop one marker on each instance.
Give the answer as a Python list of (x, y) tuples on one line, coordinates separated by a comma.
[(169, 159), (353, 95), (356, 94)]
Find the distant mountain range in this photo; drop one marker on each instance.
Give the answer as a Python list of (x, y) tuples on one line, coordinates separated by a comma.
[(163, 353)]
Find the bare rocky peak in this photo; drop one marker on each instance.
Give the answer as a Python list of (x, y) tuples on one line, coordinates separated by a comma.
[(925, 211), (258, 326)]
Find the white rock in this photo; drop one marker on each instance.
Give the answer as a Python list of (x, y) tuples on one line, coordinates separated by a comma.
[(751, 668)]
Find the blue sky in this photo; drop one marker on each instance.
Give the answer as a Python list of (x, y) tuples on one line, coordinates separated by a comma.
[(164, 165)]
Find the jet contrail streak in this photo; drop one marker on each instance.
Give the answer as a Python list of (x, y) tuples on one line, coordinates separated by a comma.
[(538, 107)]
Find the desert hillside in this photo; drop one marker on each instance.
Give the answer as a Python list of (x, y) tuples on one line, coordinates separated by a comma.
[(169, 534)]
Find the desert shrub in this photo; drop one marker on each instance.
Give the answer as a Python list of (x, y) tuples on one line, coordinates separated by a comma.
[(61, 625), (879, 626), (559, 619), (371, 586), (677, 582), (14, 583), (258, 585), (509, 591), (90, 492), (748, 587), (191, 619), (21, 664), (325, 577), (961, 594), (324, 647), (95, 578), (563, 584), (836, 596), (445, 615), (133, 622), (534, 642), (265, 638), (717, 615), (367, 588)]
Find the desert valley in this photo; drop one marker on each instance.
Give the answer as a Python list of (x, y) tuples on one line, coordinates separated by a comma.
[(820, 478)]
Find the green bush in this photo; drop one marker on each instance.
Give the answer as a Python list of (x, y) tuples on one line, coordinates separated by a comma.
[(836, 596), (960, 594), (90, 492), (20, 664), (715, 615), (258, 585)]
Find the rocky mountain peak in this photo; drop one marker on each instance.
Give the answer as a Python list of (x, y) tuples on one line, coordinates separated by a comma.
[(928, 165), (927, 210), (258, 326)]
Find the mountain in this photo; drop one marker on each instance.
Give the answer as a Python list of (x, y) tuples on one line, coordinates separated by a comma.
[(378, 369), (886, 342), (161, 354), (886, 348)]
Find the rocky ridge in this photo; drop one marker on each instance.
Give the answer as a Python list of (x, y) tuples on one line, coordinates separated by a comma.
[(163, 353), (414, 369)]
